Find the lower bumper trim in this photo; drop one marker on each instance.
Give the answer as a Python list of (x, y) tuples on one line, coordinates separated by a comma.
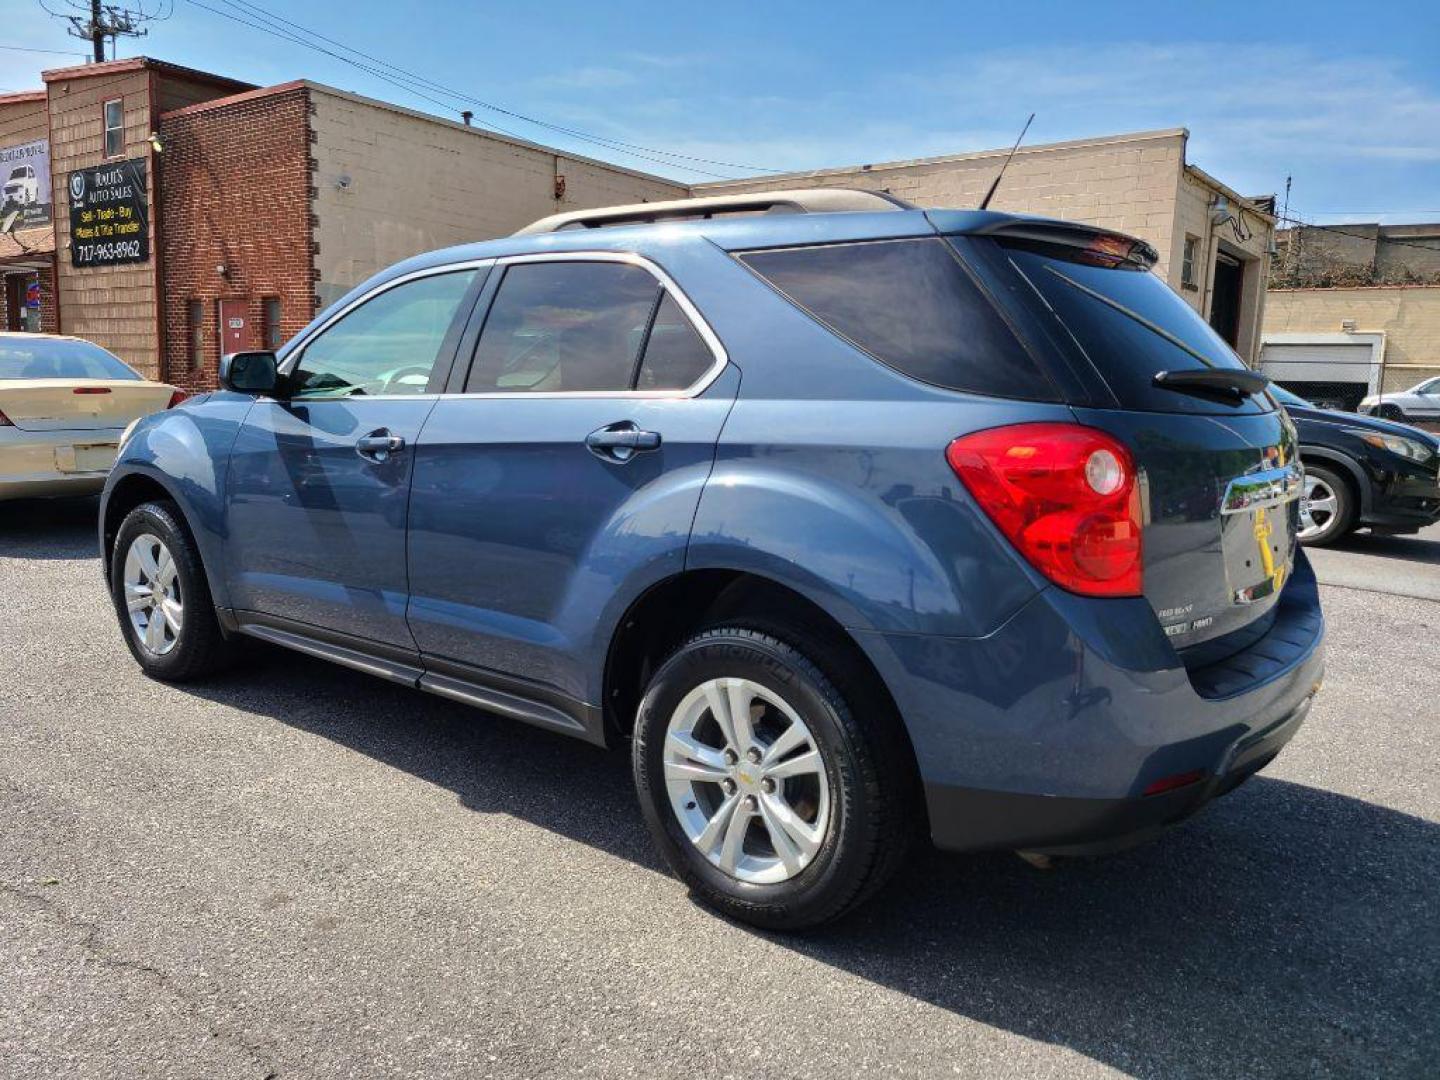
[(972, 819)]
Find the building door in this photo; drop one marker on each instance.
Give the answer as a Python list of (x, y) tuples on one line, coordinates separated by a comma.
[(1225, 297), (237, 334)]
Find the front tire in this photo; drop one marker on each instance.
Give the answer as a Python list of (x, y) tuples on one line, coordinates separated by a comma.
[(774, 798), (162, 598), (1327, 508)]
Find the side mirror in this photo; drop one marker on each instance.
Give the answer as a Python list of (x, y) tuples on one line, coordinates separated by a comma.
[(250, 373)]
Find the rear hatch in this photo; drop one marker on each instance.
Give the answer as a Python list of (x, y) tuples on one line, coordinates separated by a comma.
[(79, 405), (1220, 479)]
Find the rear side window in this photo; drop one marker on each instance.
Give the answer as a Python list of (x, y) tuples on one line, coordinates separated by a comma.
[(1129, 324), (564, 326), (675, 355), (911, 305)]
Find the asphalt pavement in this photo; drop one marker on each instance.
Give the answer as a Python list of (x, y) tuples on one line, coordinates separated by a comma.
[(300, 871)]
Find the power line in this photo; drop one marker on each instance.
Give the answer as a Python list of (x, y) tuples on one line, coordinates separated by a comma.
[(47, 52), (417, 84), (1295, 221), (603, 140)]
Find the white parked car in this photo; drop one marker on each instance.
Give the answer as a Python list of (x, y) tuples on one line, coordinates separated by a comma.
[(1420, 402), (22, 187), (64, 405)]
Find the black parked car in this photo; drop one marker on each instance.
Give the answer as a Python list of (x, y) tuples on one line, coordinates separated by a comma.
[(1362, 472)]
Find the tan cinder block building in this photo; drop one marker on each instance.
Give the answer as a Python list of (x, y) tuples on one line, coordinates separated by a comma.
[(391, 182), (1322, 322), (1354, 309), (1214, 244)]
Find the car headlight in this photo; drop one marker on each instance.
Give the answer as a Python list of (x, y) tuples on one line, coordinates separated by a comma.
[(1396, 444)]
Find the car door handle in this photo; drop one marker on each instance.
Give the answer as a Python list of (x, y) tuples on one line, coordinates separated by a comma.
[(622, 441), (379, 445)]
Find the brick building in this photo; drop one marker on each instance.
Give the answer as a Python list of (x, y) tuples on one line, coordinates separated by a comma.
[(212, 215), (246, 210)]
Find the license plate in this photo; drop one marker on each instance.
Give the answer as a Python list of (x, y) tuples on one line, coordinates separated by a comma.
[(85, 457), (1258, 521)]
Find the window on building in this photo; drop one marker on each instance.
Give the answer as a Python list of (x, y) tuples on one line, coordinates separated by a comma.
[(195, 327), (270, 323), (565, 326), (387, 345), (1190, 263), (114, 128)]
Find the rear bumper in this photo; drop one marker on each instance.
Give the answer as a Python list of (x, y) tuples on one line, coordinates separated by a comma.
[(47, 485), (966, 819), (1047, 733), (44, 463)]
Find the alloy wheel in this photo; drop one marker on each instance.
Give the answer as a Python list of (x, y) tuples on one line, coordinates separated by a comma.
[(152, 594), (1318, 507), (746, 780)]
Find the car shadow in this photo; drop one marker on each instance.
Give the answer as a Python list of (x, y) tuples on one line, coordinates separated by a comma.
[(1421, 549), (1286, 930), (50, 528)]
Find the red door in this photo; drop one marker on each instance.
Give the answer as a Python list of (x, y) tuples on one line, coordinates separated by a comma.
[(236, 332)]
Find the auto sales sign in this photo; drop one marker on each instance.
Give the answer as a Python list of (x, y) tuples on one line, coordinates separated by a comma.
[(109, 214)]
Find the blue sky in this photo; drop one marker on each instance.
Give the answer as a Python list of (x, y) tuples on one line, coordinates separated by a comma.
[(1348, 105)]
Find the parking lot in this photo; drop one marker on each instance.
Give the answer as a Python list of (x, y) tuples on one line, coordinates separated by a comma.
[(297, 870)]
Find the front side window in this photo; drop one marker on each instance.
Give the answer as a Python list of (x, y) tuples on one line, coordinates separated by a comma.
[(114, 128), (390, 344), (911, 305), (558, 327)]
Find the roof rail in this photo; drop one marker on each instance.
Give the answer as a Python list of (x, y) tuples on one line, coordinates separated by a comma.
[(800, 201)]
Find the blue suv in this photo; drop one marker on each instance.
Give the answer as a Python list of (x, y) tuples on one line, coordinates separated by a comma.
[(855, 522)]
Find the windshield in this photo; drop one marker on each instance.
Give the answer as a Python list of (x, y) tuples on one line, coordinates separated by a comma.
[(59, 358), (1130, 325), (18, 174), (1285, 397)]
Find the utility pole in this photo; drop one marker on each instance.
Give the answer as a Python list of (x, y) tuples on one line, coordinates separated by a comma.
[(96, 22)]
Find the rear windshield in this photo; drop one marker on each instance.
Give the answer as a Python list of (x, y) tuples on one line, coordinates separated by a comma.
[(1130, 325), (913, 306), (50, 358)]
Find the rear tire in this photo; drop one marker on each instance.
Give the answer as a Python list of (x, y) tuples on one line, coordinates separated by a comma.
[(1391, 412), (801, 847), (162, 597), (1328, 509)]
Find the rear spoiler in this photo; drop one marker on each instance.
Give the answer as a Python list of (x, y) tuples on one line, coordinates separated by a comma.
[(1105, 244)]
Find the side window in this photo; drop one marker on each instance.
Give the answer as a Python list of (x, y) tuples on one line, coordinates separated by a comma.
[(912, 306), (388, 345), (564, 326), (675, 354)]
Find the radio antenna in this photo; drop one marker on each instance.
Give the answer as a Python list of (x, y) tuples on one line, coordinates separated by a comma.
[(985, 202)]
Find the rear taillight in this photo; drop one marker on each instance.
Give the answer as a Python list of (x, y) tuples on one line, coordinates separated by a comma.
[(5, 421), (1065, 495), (175, 398), (91, 390)]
